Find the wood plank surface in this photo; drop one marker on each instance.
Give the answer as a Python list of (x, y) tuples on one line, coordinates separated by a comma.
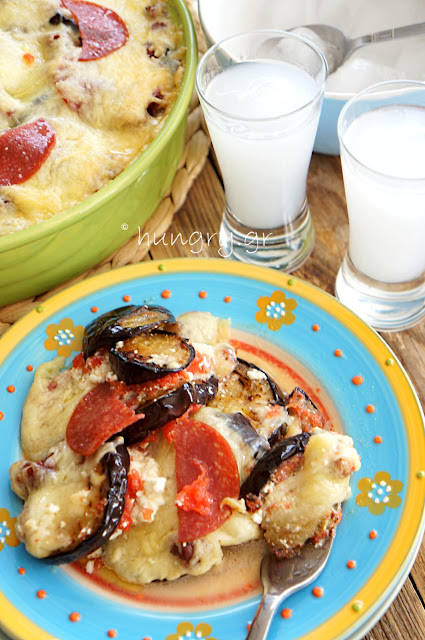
[(405, 619)]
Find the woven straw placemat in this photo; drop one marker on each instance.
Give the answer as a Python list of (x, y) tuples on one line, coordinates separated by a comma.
[(191, 163)]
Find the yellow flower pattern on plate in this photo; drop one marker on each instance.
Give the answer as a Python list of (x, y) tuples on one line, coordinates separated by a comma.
[(7, 529), (187, 630), (64, 337), (276, 310), (379, 493)]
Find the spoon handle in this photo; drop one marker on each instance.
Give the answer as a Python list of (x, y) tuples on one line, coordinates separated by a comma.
[(264, 616), (390, 34)]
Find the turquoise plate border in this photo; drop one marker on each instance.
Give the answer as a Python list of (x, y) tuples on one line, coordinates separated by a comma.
[(311, 331)]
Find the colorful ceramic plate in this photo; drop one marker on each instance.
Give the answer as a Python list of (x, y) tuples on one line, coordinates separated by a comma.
[(383, 521)]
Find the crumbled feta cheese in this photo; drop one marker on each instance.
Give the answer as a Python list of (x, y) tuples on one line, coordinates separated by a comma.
[(53, 508), (256, 374), (257, 516), (90, 566)]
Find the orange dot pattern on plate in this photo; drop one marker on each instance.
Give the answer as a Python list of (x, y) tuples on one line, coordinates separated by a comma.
[(1, 415), (370, 408), (11, 388), (94, 309), (351, 564), (318, 592), (377, 440), (203, 294), (30, 367), (21, 571), (227, 299), (315, 327), (126, 298), (373, 534), (41, 594), (338, 353), (112, 633), (357, 380), (286, 613), (166, 293), (75, 616)]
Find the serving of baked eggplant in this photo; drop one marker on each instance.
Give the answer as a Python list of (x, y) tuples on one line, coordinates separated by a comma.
[(173, 442), (72, 504)]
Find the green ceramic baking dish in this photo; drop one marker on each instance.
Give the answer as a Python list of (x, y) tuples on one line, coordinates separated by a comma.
[(36, 259)]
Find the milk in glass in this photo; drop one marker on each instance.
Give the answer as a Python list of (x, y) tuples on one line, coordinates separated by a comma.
[(387, 205), (264, 153)]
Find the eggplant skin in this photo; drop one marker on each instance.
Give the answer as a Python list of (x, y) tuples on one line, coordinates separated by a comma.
[(132, 370), (110, 328), (167, 408), (270, 461), (117, 464), (242, 425)]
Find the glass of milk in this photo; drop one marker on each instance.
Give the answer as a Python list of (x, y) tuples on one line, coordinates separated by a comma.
[(261, 94), (382, 139)]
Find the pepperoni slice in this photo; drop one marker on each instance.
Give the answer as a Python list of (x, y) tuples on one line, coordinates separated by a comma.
[(206, 473), (105, 410), (23, 150), (102, 30)]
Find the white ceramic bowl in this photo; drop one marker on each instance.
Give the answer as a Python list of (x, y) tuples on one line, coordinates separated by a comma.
[(386, 61)]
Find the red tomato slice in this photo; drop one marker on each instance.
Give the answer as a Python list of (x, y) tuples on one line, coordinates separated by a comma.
[(105, 410), (102, 30), (206, 473), (23, 150)]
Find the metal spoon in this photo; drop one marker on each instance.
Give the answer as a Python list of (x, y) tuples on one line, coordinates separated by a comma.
[(281, 578), (336, 47)]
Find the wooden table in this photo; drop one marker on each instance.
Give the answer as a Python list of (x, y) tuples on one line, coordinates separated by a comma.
[(405, 619)]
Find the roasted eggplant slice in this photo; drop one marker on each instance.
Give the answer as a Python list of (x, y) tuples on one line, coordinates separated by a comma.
[(256, 377), (168, 407), (117, 464), (122, 324), (149, 356), (249, 390), (271, 461), (72, 504)]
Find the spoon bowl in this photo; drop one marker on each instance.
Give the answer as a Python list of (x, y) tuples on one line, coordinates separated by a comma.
[(336, 47)]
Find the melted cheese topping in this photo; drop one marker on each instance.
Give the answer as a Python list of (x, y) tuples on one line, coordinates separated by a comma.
[(51, 401), (98, 109)]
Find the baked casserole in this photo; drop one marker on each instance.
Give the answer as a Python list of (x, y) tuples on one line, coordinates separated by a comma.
[(84, 88)]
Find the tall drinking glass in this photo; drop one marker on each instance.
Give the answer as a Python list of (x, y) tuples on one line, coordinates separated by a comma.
[(382, 139), (261, 93)]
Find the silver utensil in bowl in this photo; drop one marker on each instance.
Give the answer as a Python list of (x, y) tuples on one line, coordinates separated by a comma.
[(336, 47), (281, 578)]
